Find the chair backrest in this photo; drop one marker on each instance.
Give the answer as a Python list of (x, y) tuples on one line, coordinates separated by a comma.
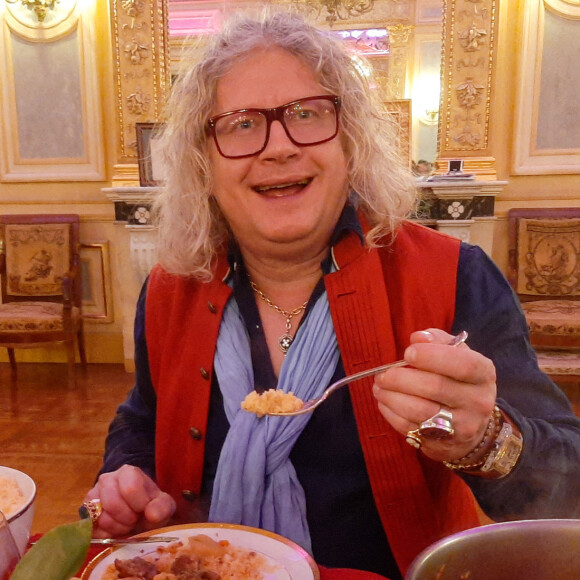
[(40, 250), (544, 253)]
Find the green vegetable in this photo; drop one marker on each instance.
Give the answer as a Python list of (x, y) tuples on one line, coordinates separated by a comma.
[(58, 554)]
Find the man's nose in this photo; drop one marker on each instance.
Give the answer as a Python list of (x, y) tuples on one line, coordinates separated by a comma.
[(279, 142)]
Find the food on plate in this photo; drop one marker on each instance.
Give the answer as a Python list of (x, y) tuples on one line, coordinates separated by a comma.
[(271, 401), (11, 496), (196, 557)]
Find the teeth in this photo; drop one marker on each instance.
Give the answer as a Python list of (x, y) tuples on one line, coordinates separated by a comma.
[(282, 185)]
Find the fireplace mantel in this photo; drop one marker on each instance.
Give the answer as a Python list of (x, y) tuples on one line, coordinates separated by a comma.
[(464, 209), (133, 210), (135, 255)]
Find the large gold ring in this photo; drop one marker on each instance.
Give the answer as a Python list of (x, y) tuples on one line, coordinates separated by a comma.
[(413, 438), (440, 426), (91, 509)]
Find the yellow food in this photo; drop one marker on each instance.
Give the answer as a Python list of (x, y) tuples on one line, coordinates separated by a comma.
[(195, 555), (271, 401), (11, 497)]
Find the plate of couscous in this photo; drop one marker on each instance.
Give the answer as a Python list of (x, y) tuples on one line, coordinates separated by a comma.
[(213, 551)]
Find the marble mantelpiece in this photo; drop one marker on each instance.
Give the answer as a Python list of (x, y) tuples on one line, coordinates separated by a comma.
[(462, 208)]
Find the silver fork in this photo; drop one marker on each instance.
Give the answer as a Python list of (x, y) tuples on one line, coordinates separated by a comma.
[(309, 406)]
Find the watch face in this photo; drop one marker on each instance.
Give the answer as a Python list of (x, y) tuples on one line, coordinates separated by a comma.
[(507, 455)]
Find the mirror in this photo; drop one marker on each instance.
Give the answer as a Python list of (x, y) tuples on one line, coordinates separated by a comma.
[(406, 67)]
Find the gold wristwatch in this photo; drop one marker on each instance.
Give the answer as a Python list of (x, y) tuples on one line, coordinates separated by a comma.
[(503, 454)]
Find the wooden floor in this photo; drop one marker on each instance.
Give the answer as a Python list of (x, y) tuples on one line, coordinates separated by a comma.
[(56, 433)]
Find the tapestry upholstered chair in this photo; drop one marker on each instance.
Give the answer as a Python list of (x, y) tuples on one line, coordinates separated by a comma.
[(41, 284), (544, 271)]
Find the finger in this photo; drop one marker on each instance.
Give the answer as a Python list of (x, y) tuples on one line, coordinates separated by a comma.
[(427, 392), (432, 335), (415, 396), (144, 497), (459, 363), (123, 497), (117, 517), (161, 505), (136, 488), (107, 527), (404, 411), (399, 422), (428, 336), (159, 510), (464, 439)]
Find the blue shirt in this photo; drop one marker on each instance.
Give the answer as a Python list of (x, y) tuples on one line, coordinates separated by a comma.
[(344, 524)]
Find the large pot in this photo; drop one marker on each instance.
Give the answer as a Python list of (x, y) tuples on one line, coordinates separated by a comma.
[(524, 550)]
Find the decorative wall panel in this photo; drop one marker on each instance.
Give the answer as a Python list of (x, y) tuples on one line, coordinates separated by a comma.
[(53, 71), (547, 139), (49, 97), (140, 45), (469, 37)]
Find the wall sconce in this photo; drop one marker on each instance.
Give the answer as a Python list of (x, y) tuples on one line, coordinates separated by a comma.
[(426, 93), (430, 117), (39, 6)]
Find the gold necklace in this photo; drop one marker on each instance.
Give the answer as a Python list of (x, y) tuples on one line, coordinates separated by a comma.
[(286, 339)]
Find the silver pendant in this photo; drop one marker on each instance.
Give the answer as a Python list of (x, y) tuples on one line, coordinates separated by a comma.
[(285, 341)]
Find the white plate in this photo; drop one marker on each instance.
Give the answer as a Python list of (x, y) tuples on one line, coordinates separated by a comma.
[(291, 562)]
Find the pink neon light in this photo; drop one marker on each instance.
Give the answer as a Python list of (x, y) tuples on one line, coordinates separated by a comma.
[(186, 22)]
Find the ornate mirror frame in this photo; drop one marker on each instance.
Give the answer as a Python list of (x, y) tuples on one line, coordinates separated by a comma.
[(467, 69), (141, 47)]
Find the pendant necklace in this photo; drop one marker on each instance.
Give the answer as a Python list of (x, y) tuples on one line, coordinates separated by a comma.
[(286, 339)]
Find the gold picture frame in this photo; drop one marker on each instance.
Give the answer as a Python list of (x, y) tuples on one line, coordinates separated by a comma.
[(96, 282), (148, 154)]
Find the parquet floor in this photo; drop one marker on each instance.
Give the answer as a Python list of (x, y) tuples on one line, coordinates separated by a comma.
[(56, 433)]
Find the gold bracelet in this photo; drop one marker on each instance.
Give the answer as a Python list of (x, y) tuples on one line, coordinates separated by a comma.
[(491, 432)]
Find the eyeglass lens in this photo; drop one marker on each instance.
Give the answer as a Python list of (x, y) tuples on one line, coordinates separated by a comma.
[(307, 122)]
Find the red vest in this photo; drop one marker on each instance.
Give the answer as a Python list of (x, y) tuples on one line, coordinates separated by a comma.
[(377, 298)]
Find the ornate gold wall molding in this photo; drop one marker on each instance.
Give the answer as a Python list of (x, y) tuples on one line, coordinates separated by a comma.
[(50, 97), (397, 16), (399, 35), (469, 36), (140, 48), (565, 8), (546, 132), (59, 20)]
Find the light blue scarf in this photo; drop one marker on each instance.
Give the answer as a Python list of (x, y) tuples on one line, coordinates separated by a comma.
[(256, 483)]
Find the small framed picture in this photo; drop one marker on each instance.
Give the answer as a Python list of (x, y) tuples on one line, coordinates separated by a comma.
[(149, 154), (96, 282), (455, 165)]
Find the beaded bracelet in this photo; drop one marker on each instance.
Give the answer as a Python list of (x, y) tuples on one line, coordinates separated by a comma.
[(492, 431)]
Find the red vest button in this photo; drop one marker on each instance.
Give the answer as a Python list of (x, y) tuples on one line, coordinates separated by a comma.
[(189, 495), (195, 433)]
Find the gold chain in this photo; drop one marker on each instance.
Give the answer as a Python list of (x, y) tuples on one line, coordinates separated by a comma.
[(286, 339)]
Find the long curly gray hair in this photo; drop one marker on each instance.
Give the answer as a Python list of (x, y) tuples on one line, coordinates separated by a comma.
[(191, 226)]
